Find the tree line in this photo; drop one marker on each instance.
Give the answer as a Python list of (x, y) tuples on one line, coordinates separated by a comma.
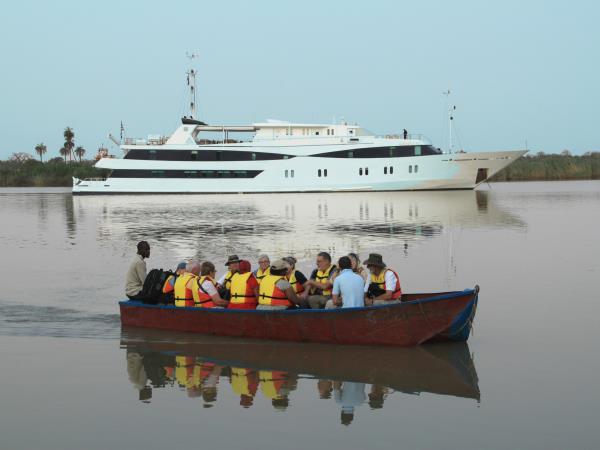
[(549, 167)]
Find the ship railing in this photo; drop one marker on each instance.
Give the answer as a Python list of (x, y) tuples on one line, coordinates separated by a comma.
[(95, 179), (415, 137), (153, 140)]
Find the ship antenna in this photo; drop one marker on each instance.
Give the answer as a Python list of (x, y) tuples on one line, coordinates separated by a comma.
[(451, 110), (191, 81)]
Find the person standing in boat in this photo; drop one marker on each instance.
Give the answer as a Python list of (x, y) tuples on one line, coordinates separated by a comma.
[(348, 287), (136, 274), (275, 291), (185, 284), (321, 281), (296, 278), (243, 292), (205, 291), (264, 264), (384, 288), (233, 264)]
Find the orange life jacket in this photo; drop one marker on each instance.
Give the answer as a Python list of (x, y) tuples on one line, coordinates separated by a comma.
[(201, 298), (269, 294)]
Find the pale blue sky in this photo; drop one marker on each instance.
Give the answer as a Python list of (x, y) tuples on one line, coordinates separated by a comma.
[(518, 70)]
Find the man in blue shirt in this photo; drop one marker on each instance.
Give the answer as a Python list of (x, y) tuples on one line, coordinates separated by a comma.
[(348, 287)]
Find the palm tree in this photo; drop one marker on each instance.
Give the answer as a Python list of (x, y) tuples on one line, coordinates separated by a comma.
[(80, 151), (41, 149), (64, 152), (69, 144)]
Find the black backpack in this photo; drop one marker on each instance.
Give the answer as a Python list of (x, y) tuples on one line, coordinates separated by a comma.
[(152, 291)]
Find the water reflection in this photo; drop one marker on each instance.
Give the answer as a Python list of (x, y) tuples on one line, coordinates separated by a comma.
[(288, 223), (352, 377)]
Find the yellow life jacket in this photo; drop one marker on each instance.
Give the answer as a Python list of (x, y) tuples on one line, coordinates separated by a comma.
[(298, 288), (379, 280), (271, 383), (183, 295), (240, 292), (269, 294), (324, 277), (239, 381), (260, 274), (227, 281)]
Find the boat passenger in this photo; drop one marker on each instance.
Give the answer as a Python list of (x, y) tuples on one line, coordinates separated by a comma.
[(243, 293), (205, 291), (264, 263), (321, 281), (233, 264), (184, 284), (357, 267), (169, 285), (296, 278), (275, 291), (136, 274), (348, 287), (384, 288)]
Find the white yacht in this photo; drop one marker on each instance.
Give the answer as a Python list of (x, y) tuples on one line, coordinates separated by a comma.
[(286, 157)]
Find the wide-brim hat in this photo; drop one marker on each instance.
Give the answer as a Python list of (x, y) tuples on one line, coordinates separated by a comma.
[(232, 259), (375, 259)]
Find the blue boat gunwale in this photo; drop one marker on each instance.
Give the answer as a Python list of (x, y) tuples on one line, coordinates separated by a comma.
[(435, 298)]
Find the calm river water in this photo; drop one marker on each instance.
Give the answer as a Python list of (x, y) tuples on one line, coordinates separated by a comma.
[(528, 378)]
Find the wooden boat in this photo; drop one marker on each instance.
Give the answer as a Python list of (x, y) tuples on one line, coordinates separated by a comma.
[(422, 317), (442, 369)]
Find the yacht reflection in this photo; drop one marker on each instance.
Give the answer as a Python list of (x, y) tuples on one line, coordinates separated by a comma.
[(292, 223), (351, 376)]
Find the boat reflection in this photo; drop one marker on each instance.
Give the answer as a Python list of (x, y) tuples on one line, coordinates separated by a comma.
[(350, 376)]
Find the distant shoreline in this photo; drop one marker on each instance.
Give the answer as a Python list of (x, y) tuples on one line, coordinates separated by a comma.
[(539, 167)]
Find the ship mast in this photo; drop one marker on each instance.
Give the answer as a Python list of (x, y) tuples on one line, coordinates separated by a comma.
[(450, 110), (191, 81)]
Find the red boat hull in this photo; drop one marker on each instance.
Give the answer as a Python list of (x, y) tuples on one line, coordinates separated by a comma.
[(405, 324)]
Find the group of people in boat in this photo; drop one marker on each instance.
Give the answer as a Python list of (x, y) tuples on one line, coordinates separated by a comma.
[(273, 285)]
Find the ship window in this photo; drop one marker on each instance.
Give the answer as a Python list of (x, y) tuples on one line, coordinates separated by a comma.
[(316, 133), (391, 170), (218, 156), (385, 170), (351, 131), (417, 151), (332, 132), (325, 172), (319, 172), (240, 173), (152, 154), (194, 155), (158, 173), (392, 151), (409, 169), (190, 173), (366, 171), (360, 171), (253, 156), (286, 173), (350, 154), (416, 169), (292, 173), (285, 156)]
